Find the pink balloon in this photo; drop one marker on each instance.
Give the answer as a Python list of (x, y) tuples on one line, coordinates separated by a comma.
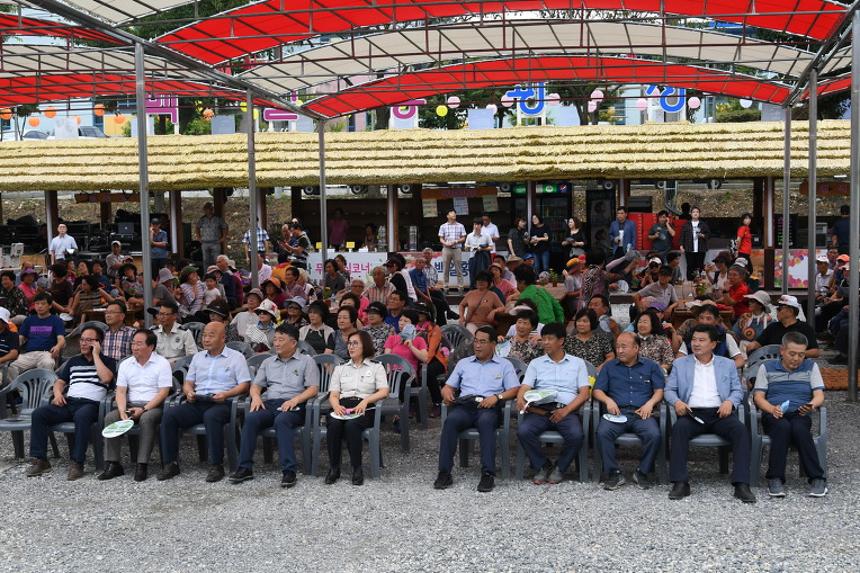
[(592, 106), (694, 103), (641, 104)]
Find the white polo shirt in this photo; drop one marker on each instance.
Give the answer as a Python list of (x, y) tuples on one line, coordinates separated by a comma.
[(144, 382), (704, 394)]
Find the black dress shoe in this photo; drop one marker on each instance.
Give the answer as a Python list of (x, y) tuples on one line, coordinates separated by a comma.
[(171, 470), (141, 472), (358, 476), (443, 481), (240, 475), (487, 483), (743, 493), (216, 473), (680, 490), (332, 476), (288, 479), (112, 470)]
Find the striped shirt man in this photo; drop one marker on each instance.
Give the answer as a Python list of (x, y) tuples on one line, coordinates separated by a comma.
[(83, 377)]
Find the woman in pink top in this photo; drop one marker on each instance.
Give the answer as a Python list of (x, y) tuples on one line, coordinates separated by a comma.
[(407, 345)]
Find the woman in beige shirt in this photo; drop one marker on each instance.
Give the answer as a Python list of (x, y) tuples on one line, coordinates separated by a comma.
[(355, 386)]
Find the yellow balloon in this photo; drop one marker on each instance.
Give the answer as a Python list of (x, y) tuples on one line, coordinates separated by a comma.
[(441, 110)]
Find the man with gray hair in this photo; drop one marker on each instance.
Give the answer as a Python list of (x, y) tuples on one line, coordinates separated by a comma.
[(788, 391), (211, 231)]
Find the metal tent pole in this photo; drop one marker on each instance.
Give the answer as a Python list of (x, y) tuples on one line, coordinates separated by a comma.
[(854, 244), (252, 193), (323, 214), (786, 184), (812, 193), (143, 168)]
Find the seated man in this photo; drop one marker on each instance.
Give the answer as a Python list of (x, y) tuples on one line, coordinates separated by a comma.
[(797, 380), (727, 346), (143, 384), (8, 345), (42, 338), (631, 386), (485, 381), (118, 336), (660, 295), (289, 379), (705, 389), (787, 310), (599, 303), (88, 375), (568, 377), (216, 374), (173, 342)]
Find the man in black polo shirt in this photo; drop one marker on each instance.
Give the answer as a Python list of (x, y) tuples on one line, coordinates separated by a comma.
[(787, 309), (88, 374)]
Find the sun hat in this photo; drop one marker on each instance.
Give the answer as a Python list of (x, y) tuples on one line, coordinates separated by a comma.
[(269, 307), (761, 297)]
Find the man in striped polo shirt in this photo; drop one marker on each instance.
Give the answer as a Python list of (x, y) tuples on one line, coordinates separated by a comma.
[(88, 375), (787, 391)]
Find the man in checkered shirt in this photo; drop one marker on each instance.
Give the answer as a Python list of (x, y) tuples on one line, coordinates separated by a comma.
[(452, 235), (262, 242), (118, 336)]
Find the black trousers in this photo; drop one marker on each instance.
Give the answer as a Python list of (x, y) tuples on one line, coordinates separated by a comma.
[(794, 429), (434, 370), (349, 430), (695, 263), (729, 428)]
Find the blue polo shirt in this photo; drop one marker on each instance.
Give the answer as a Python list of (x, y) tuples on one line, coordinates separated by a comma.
[(393, 321), (41, 333), (419, 280), (211, 374), (780, 384), (566, 376), (630, 386), (160, 252), (476, 378)]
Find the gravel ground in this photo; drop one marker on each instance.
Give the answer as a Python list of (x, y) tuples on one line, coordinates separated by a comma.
[(399, 523)]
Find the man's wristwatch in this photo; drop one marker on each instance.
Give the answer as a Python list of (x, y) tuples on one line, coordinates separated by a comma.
[(500, 397)]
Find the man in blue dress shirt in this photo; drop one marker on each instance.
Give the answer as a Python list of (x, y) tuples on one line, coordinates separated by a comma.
[(216, 374), (568, 376), (485, 381), (631, 386)]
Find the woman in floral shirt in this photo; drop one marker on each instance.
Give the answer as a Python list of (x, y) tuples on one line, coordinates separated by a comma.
[(522, 345), (377, 328), (653, 341), (588, 342)]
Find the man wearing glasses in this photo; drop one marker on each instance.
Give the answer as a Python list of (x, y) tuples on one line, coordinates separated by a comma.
[(173, 343), (88, 375), (118, 336), (485, 381)]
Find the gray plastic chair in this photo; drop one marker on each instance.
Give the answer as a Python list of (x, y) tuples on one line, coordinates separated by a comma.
[(370, 435), (553, 437), (241, 346), (197, 329), (35, 387), (503, 434), (708, 440), (68, 428), (756, 359), (305, 347), (631, 439), (326, 364), (88, 324), (231, 439), (457, 335), (397, 367), (255, 361), (760, 440), (519, 367)]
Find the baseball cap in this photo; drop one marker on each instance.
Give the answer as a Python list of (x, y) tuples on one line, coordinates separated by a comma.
[(115, 243), (4, 315), (655, 261), (843, 258), (822, 259)]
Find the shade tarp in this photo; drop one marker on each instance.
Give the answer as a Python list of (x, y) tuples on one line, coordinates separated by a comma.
[(652, 151)]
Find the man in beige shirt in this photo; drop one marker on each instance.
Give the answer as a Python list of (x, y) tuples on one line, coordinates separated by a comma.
[(173, 343)]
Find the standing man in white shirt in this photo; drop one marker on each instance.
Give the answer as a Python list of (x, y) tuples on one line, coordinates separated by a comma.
[(143, 383), (452, 235), (490, 229), (62, 244)]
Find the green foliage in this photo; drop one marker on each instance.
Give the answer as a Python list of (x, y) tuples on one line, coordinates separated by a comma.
[(197, 126), (738, 115), (167, 21)]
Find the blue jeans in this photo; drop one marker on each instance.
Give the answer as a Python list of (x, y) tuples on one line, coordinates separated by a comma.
[(647, 430), (211, 414), (84, 413), (285, 424), (533, 425), (460, 418), (541, 261)]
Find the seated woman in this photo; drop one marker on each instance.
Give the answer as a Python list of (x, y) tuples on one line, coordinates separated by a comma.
[(750, 325), (356, 385), (588, 342), (351, 299), (478, 308), (191, 301), (295, 313), (261, 334), (524, 344), (346, 318), (90, 296), (131, 287), (437, 354), (653, 342), (503, 286), (377, 328), (408, 345), (317, 333)]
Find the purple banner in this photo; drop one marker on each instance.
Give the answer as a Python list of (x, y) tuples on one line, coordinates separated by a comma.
[(163, 105)]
